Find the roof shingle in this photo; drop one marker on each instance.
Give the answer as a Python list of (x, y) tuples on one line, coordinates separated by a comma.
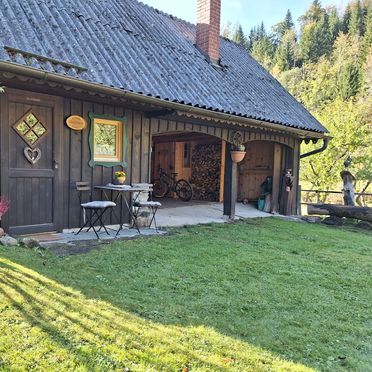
[(131, 46)]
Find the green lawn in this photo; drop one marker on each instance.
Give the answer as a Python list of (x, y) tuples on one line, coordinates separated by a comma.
[(261, 295)]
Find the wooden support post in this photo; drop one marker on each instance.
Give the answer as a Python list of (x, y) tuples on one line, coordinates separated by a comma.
[(299, 200), (222, 178), (296, 206), (230, 184), (277, 174)]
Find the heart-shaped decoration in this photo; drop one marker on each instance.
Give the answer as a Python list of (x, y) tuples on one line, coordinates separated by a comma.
[(32, 155)]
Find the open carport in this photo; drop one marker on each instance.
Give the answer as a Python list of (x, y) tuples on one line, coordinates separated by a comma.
[(177, 213)]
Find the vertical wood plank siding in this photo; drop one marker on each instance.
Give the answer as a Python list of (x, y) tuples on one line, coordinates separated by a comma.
[(139, 131)]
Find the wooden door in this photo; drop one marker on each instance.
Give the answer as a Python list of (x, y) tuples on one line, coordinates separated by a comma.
[(164, 158), (256, 166), (31, 126), (183, 155)]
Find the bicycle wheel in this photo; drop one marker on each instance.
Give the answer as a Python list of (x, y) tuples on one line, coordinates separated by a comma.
[(183, 190), (160, 188)]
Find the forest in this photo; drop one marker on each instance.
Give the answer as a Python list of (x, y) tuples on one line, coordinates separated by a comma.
[(324, 59)]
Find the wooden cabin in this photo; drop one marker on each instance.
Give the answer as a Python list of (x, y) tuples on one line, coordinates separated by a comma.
[(100, 88)]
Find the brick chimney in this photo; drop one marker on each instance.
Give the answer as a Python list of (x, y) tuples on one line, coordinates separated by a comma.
[(208, 28)]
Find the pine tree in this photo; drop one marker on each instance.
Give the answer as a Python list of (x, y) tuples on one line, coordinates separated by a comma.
[(263, 51), (287, 54), (366, 7), (288, 20), (350, 81), (239, 36), (250, 40), (256, 34), (356, 20), (315, 11), (346, 19), (308, 43), (313, 14), (282, 27), (367, 37), (323, 36), (316, 39), (335, 24), (262, 31)]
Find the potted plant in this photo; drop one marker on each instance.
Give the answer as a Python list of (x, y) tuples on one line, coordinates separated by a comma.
[(237, 153), (120, 177)]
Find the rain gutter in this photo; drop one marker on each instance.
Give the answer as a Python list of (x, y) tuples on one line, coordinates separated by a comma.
[(317, 151)]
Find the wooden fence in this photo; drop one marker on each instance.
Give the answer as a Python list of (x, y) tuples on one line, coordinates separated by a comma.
[(334, 197)]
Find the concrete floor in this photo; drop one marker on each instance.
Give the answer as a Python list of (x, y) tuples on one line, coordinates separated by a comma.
[(177, 213), (173, 213)]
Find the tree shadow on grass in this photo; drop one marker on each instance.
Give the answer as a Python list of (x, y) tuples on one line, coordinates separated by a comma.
[(57, 326), (286, 293)]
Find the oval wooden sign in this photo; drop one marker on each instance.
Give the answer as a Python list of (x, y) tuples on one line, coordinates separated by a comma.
[(76, 122)]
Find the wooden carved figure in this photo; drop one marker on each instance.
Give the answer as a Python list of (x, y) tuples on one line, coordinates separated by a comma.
[(348, 189)]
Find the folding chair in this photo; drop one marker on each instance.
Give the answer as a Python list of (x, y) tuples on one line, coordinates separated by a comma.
[(139, 205), (93, 210)]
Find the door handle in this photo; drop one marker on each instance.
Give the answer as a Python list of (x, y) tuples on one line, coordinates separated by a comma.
[(55, 164)]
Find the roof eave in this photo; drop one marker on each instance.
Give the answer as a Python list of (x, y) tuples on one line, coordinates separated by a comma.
[(184, 108)]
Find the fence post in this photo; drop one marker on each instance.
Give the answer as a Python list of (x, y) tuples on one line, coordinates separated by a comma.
[(299, 201)]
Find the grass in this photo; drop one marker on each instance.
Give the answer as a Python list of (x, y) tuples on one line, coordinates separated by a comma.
[(261, 295)]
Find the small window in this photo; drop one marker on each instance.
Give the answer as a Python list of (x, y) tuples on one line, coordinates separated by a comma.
[(187, 155), (107, 140), (30, 129)]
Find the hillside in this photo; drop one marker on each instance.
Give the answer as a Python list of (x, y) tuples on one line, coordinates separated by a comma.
[(326, 65)]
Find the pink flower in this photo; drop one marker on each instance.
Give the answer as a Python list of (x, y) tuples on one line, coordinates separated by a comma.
[(4, 206)]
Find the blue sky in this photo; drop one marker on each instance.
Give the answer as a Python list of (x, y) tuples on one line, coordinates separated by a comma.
[(247, 12)]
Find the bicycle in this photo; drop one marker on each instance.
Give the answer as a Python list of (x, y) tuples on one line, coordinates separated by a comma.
[(167, 183)]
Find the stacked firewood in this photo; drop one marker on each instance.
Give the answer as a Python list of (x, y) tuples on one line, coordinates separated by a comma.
[(206, 171)]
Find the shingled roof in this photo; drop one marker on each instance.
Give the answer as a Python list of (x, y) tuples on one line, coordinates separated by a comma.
[(128, 45)]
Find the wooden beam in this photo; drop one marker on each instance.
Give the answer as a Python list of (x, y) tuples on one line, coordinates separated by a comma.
[(46, 88), (158, 113), (348, 211), (40, 58), (184, 137), (296, 206), (276, 177), (230, 184), (4, 154), (222, 177)]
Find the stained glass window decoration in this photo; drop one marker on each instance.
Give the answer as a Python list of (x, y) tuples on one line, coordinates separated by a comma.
[(30, 129), (31, 119), (22, 128), (39, 129)]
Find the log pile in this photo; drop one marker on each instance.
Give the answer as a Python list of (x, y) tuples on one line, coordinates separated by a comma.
[(206, 172), (358, 213)]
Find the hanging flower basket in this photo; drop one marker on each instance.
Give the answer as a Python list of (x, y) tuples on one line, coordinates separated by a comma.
[(237, 155)]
